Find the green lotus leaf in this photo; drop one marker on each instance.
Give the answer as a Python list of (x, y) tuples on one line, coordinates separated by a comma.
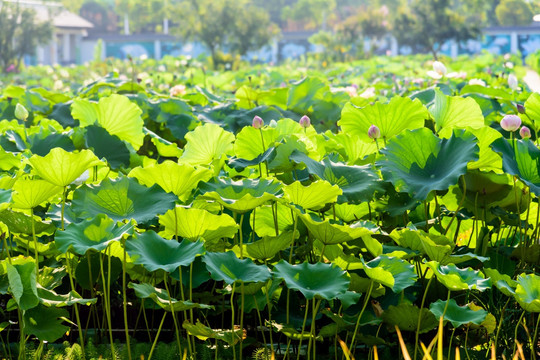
[(264, 220), (405, 316), (193, 223), (532, 108), (241, 196), (520, 158), (229, 268), (240, 164), (19, 223), (348, 299), (267, 247), (154, 252), (205, 144), (528, 292), (121, 199), (8, 160), (358, 183), (351, 212), (313, 280), (45, 323), (399, 114), (457, 315), (456, 279), (107, 146), (437, 247), (503, 282), (162, 299), (115, 113), (330, 233), (51, 298), (395, 273), (353, 150), (93, 234), (290, 332), (61, 168), (419, 162), (302, 94), (488, 160), (249, 144), (27, 194), (455, 112), (181, 180), (203, 332), (22, 284), (314, 196)]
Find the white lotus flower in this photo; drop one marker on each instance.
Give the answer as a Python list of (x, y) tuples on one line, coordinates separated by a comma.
[(512, 82), (477, 82)]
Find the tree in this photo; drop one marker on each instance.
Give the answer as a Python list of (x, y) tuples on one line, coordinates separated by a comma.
[(514, 12), (21, 32), (235, 25), (427, 24), (314, 12)]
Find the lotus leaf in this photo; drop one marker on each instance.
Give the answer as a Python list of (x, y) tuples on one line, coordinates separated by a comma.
[(229, 268), (395, 273), (456, 279), (154, 252), (19, 223), (488, 160), (93, 234), (520, 158), (457, 315), (241, 196), (249, 144), (241, 164), (181, 180), (51, 298), (313, 280), (405, 316), (399, 114), (503, 282), (528, 292), (107, 146), (22, 282), (193, 223), (269, 246), (160, 297), (27, 194), (121, 199), (264, 220), (203, 332), (45, 323), (419, 162), (205, 144), (314, 196), (61, 168), (115, 113), (358, 183), (455, 112)]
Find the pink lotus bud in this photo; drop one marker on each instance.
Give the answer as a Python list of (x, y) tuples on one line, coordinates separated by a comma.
[(525, 132), (512, 82), (304, 121), (520, 109), (258, 122), (374, 132), (510, 123)]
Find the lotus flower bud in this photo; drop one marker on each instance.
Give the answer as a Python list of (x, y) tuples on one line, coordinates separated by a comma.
[(439, 67), (305, 121), (510, 123), (512, 82), (258, 122), (20, 112), (520, 108), (525, 132), (374, 132)]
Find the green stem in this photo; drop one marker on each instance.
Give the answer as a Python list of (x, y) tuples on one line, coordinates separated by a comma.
[(516, 331), (232, 320), (22, 336), (312, 331), (124, 303), (420, 317), (241, 318), (269, 315), (302, 332), (262, 327), (535, 336), (36, 252), (366, 300), (6, 247), (241, 236), (185, 311), (75, 307), (157, 336), (176, 328), (106, 300)]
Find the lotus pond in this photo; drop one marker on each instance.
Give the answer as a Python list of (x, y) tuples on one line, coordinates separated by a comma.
[(379, 209)]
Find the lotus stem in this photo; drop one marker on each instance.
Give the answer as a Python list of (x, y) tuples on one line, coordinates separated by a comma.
[(302, 332), (185, 311), (4, 240), (535, 336), (420, 317), (366, 300), (106, 300), (232, 320), (124, 302), (241, 236), (262, 326), (157, 335), (269, 314), (36, 252), (312, 331), (516, 331), (176, 328), (241, 317)]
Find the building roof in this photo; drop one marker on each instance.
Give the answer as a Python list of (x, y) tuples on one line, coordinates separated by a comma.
[(66, 19), (55, 12)]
